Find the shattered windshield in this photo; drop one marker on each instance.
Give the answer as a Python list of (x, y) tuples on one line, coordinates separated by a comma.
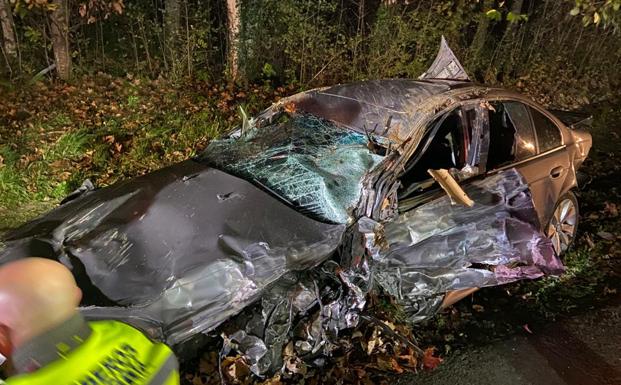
[(311, 163)]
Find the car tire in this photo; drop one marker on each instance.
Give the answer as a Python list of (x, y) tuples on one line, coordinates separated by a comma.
[(563, 224)]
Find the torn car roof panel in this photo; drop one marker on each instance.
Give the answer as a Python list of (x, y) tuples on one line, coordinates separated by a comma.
[(386, 108)]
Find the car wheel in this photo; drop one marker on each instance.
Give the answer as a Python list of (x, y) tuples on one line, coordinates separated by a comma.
[(564, 223)]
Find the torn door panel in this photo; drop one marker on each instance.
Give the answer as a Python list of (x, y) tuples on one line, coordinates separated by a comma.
[(426, 252), (439, 247)]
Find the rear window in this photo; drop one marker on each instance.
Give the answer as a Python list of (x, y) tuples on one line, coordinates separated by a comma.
[(547, 132)]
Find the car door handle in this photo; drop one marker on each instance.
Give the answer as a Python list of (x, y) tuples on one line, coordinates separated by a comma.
[(556, 171)]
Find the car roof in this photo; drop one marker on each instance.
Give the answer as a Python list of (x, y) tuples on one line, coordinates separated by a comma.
[(386, 108)]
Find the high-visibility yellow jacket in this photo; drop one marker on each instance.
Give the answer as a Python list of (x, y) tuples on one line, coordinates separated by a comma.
[(114, 354)]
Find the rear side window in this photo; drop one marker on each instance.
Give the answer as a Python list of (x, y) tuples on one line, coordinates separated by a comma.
[(547, 132), (512, 137), (524, 135)]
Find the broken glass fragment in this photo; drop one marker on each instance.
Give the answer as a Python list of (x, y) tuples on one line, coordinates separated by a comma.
[(313, 164)]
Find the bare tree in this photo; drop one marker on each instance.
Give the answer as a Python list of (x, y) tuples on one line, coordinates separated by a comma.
[(172, 20), (9, 42), (480, 37), (59, 31), (232, 8), (172, 25)]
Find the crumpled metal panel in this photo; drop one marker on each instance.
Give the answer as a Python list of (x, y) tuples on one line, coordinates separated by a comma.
[(310, 308), (386, 108), (446, 65), (439, 247), (181, 249), (424, 253)]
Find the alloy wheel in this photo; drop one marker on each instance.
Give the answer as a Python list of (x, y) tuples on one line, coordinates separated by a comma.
[(563, 225)]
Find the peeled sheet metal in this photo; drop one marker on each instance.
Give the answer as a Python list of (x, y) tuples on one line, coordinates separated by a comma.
[(446, 65), (439, 247), (387, 108), (177, 251), (424, 253)]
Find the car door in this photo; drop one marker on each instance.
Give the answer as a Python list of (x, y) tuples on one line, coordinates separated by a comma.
[(449, 144), (436, 246), (523, 137)]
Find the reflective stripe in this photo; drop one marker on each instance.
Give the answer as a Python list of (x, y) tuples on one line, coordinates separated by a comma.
[(167, 368), (115, 353)]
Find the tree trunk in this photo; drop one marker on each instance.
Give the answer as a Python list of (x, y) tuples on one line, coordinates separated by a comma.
[(505, 60), (172, 22), (9, 42), (516, 8), (232, 13), (480, 37), (59, 31)]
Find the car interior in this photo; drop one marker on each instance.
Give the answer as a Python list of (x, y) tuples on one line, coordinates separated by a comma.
[(444, 149), (502, 137)]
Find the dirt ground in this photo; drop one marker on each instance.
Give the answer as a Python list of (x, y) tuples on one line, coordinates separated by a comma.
[(579, 350)]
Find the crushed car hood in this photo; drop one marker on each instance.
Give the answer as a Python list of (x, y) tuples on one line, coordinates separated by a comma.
[(174, 244)]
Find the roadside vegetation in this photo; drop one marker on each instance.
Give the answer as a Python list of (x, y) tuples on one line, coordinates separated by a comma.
[(54, 136)]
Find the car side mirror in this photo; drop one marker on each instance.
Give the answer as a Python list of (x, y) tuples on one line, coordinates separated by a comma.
[(451, 187)]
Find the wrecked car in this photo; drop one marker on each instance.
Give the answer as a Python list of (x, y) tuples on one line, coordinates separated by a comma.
[(428, 189)]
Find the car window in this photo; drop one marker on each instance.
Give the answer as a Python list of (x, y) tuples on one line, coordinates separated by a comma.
[(446, 149), (511, 134), (547, 132), (525, 143), (502, 134), (311, 163)]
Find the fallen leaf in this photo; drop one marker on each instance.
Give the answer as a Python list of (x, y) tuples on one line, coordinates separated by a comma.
[(373, 341), (610, 209), (430, 362), (389, 364), (290, 107), (606, 235), (589, 241)]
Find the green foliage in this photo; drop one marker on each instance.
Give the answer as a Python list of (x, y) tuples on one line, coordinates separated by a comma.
[(516, 17), (69, 146), (511, 17), (54, 136), (32, 35), (311, 43), (268, 71), (597, 12), (494, 14)]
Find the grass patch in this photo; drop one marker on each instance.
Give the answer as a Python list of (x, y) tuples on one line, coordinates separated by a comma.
[(109, 129), (70, 145)]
